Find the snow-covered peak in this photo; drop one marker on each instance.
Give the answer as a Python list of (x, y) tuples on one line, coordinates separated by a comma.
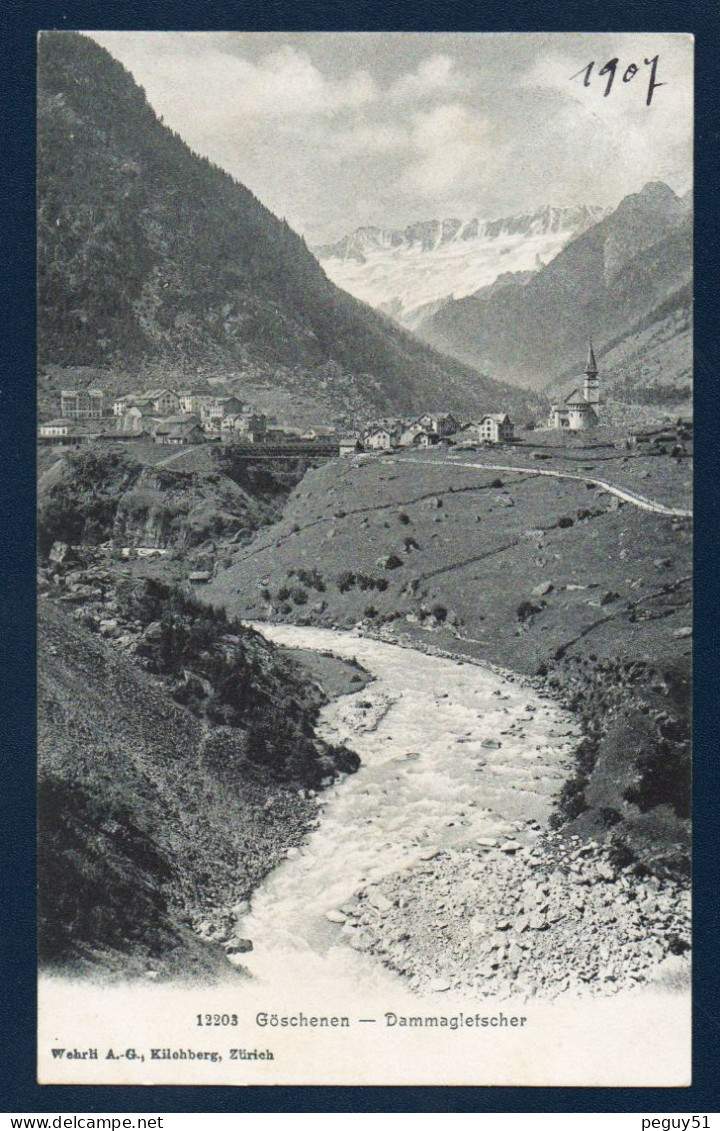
[(400, 270)]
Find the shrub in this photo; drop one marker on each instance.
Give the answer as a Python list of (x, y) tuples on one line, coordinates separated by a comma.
[(440, 613), (311, 578), (346, 580), (526, 609), (393, 562)]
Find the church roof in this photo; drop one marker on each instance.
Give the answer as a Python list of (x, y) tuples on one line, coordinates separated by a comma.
[(576, 399)]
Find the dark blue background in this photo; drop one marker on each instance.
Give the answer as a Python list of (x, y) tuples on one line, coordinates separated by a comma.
[(19, 24)]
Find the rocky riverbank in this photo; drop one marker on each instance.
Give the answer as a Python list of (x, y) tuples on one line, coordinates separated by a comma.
[(488, 901), (557, 917)]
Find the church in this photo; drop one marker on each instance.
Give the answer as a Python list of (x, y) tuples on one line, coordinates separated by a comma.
[(581, 409)]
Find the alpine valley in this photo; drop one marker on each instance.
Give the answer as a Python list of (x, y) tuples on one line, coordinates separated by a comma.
[(519, 297), (151, 257), (343, 643)]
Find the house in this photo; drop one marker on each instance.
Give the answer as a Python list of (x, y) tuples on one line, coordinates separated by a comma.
[(137, 418), (176, 421), (440, 423), (407, 436), (57, 429), (163, 401), (214, 409), (580, 410), (176, 434), (82, 404), (425, 439), (122, 436), (381, 439), (495, 428), (193, 401), (389, 423), (467, 437), (122, 404), (350, 445), (61, 431), (246, 425)]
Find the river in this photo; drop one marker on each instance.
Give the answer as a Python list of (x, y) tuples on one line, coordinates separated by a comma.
[(427, 781), (450, 752)]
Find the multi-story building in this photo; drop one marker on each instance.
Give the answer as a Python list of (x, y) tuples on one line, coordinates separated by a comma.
[(163, 401), (82, 404), (495, 427)]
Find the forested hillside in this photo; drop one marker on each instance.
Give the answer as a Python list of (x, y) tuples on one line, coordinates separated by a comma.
[(148, 253)]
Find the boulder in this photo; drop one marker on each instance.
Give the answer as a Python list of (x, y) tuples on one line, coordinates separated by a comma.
[(335, 916), (438, 985), (238, 946), (542, 589), (605, 870), (58, 552), (379, 901)]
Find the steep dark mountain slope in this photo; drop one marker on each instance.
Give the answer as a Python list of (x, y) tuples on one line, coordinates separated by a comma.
[(626, 282), (147, 812), (148, 253)]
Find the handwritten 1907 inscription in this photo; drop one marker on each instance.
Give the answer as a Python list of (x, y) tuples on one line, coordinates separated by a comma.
[(611, 69)]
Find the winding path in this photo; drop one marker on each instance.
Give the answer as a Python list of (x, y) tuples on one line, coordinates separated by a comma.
[(620, 492)]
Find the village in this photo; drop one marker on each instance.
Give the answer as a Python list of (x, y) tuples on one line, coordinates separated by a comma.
[(187, 417), (166, 416)]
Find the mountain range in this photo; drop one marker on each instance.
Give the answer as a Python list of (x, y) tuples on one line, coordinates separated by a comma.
[(405, 271), (625, 282), (150, 257)]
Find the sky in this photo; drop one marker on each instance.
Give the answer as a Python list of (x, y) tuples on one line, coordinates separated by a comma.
[(334, 131)]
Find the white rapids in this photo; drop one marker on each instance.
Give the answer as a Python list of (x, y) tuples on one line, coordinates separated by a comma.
[(427, 781)]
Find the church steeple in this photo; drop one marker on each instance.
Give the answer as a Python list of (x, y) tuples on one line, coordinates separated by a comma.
[(591, 365), (591, 386)]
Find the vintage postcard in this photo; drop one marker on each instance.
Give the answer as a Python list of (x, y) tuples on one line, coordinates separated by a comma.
[(365, 441)]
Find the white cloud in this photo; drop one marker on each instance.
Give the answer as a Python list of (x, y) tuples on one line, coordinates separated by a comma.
[(451, 146), (366, 139), (434, 74), (184, 70), (618, 139), (348, 129)]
